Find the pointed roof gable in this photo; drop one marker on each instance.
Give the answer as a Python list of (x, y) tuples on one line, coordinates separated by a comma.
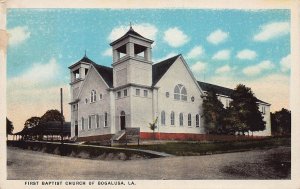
[(132, 33), (160, 68), (220, 90), (105, 72)]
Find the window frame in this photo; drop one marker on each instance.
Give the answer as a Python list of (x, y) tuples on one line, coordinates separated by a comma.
[(181, 119), (93, 97), (125, 92), (180, 93), (97, 121), (163, 118), (82, 123), (145, 93), (119, 94), (189, 119), (172, 118), (137, 92), (197, 123), (89, 122), (105, 119)]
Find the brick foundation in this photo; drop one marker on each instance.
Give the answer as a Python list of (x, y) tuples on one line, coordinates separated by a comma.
[(195, 137)]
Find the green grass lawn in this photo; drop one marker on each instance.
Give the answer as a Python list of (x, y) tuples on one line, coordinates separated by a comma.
[(200, 148)]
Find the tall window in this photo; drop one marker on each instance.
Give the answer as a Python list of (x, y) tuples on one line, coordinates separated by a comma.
[(163, 118), (137, 92), (125, 92), (82, 123), (105, 119), (145, 93), (93, 96), (181, 119), (97, 121), (189, 120), (172, 116), (90, 122), (119, 94), (197, 120), (180, 93)]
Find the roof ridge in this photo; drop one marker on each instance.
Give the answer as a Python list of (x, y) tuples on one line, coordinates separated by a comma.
[(95, 64), (167, 59), (215, 85)]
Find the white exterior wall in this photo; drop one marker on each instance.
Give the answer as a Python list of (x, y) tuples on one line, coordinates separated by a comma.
[(140, 73), (122, 104), (141, 107), (178, 74), (93, 81), (267, 119)]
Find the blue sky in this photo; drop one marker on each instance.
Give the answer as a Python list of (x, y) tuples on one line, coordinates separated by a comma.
[(224, 47)]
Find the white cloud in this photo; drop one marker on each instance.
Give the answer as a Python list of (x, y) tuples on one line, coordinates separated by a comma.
[(217, 36), (272, 30), (257, 69), (199, 67), (18, 35), (285, 63), (145, 29), (195, 52), (40, 74), (171, 54), (246, 54), (222, 55), (175, 37), (223, 69), (107, 52)]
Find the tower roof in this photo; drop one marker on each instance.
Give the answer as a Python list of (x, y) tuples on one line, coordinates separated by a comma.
[(131, 33)]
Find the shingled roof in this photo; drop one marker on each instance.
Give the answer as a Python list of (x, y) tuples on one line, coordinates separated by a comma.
[(106, 73), (220, 90), (159, 69), (217, 89)]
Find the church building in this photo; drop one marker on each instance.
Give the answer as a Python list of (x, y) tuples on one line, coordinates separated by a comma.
[(105, 101)]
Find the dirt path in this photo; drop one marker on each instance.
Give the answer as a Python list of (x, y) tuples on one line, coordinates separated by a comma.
[(259, 164)]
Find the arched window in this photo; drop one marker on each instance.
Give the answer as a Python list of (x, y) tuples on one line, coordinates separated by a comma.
[(93, 96), (172, 116), (163, 118), (181, 119), (180, 93), (189, 120), (197, 120)]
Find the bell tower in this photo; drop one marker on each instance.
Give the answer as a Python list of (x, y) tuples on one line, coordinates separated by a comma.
[(132, 62)]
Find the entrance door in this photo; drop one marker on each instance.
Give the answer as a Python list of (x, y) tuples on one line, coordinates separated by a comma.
[(76, 128), (122, 120)]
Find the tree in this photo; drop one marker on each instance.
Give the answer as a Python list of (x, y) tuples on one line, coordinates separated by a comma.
[(213, 112), (32, 122), (281, 122), (153, 126), (9, 127), (244, 114), (52, 115)]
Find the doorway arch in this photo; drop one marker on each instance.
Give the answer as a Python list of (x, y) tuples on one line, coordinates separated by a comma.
[(122, 120)]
